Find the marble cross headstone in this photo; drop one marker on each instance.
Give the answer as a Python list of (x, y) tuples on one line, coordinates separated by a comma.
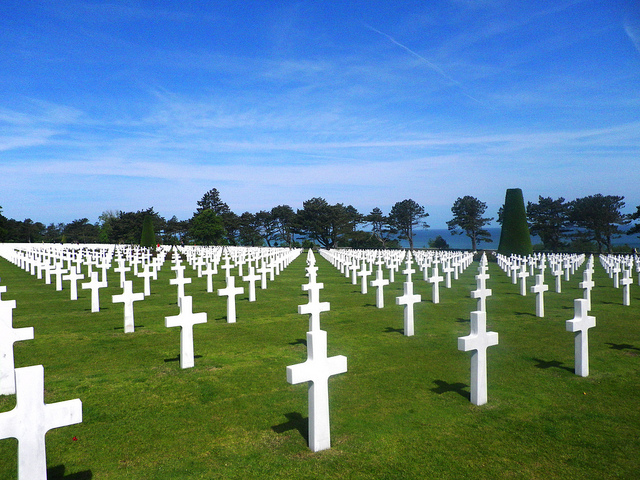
[(8, 336), (31, 418), (252, 277), (128, 297), (94, 285), (478, 342), (316, 371), (230, 291), (626, 287), (435, 280), (580, 324), (481, 292), (539, 288), (186, 319), (73, 276), (408, 299), (379, 283)]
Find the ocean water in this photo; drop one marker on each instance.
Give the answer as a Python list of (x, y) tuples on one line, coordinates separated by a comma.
[(462, 242)]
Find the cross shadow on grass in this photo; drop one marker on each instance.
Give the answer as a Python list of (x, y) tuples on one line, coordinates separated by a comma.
[(299, 341), (543, 364), (463, 320), (528, 314), (394, 330), (177, 359), (622, 346), (295, 422), (122, 328), (57, 473), (446, 387)]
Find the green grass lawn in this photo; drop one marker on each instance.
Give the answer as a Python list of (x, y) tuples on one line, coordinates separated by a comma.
[(401, 411)]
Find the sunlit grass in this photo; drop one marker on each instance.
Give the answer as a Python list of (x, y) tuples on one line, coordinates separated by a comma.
[(401, 411)]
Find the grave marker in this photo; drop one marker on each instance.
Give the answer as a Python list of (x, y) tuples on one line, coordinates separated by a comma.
[(186, 319), (580, 324)]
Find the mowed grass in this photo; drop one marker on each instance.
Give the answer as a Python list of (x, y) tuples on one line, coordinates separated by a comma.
[(401, 411)]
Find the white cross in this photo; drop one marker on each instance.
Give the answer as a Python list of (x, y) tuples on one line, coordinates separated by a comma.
[(523, 280), (128, 297), (409, 270), (580, 324), (263, 270), (94, 285), (626, 287), (313, 307), (587, 283), (252, 277), (557, 272), (539, 288), (147, 273), (481, 292), (180, 280), (8, 336), (30, 420), (186, 319), (122, 269), (227, 267), (446, 269), (478, 341), (209, 272), (379, 283), (230, 291), (364, 273), (73, 276), (58, 271), (408, 299), (317, 370), (435, 279)]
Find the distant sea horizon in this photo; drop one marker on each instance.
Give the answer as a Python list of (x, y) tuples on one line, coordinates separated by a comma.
[(462, 242)]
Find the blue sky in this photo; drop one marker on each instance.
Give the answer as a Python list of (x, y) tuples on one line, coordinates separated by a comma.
[(128, 105)]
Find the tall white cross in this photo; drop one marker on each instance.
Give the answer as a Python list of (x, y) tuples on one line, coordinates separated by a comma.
[(317, 370), (408, 299), (58, 271), (147, 273), (30, 420), (478, 341), (587, 283), (557, 272), (180, 280), (314, 307), (94, 285), (122, 269), (209, 272), (186, 319), (379, 283), (128, 297), (230, 291), (435, 279), (523, 280), (364, 273), (626, 287), (481, 292), (8, 336), (580, 324), (539, 288), (252, 277)]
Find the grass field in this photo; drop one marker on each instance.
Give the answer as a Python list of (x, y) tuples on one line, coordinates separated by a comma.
[(401, 411)]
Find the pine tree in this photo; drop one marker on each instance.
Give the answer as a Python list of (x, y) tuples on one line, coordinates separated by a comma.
[(514, 236)]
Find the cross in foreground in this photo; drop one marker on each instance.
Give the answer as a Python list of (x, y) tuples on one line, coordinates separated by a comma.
[(30, 420), (186, 319), (580, 324), (478, 342)]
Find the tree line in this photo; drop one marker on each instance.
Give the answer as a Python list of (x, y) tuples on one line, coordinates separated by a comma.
[(580, 224)]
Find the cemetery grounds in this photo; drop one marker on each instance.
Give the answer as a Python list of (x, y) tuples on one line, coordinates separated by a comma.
[(401, 410)]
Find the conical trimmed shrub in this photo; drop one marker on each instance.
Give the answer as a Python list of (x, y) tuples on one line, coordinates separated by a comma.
[(514, 236), (148, 237)]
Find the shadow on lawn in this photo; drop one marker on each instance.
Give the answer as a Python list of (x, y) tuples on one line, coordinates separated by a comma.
[(622, 346), (295, 422), (177, 359), (57, 473), (543, 364), (445, 387), (299, 341), (394, 330)]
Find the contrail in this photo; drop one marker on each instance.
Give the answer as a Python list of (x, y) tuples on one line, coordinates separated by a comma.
[(431, 65)]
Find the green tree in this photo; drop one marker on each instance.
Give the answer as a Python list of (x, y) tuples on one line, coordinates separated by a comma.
[(599, 217), (467, 218), (635, 216), (267, 227), (148, 236), (207, 228), (211, 201), (439, 243), (327, 224), (406, 215), (81, 231), (249, 230), (380, 227), (284, 220), (3, 227), (549, 220), (514, 236)]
